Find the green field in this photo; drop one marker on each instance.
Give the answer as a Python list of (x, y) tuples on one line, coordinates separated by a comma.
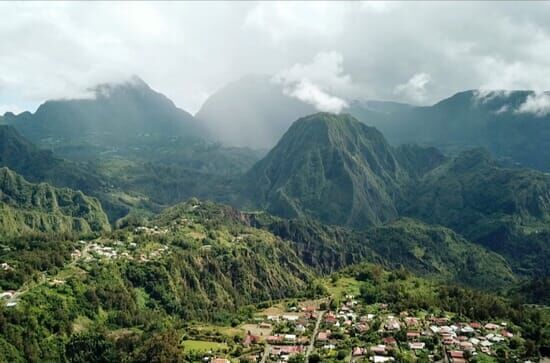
[(203, 346)]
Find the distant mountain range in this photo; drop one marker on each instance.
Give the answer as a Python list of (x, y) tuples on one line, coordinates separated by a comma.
[(117, 118), (138, 153), (495, 120)]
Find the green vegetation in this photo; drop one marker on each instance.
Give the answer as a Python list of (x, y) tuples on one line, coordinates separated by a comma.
[(424, 249), (506, 210), (26, 207), (331, 168)]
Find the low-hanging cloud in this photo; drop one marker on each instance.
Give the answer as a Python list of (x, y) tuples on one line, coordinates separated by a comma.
[(415, 88), (316, 82), (537, 103)]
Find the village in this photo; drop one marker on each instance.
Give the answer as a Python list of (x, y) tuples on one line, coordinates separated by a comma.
[(101, 250), (353, 332)]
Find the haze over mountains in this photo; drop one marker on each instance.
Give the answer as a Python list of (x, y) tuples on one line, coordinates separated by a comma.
[(511, 124)]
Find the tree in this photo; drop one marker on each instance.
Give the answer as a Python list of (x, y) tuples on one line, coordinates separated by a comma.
[(89, 347)]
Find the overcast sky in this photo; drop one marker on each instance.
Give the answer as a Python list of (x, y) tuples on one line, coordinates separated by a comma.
[(418, 53)]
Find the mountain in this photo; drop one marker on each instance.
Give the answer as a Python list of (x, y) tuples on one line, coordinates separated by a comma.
[(335, 169), (37, 165), (424, 249), (27, 207), (123, 118), (506, 210), (252, 111), (496, 120)]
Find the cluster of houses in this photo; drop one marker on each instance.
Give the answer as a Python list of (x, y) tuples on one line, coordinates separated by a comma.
[(352, 326), (155, 230), (115, 250), (427, 335)]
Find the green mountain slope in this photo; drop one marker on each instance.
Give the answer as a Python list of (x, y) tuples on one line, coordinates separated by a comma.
[(37, 165), (329, 167), (423, 249), (27, 207), (507, 210)]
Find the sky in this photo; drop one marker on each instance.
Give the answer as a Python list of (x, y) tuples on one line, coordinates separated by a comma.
[(325, 53)]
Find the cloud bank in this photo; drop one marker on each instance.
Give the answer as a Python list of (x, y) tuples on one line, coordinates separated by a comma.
[(188, 50)]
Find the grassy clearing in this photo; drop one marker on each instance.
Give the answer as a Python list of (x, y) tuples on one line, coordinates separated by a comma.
[(203, 346), (343, 286)]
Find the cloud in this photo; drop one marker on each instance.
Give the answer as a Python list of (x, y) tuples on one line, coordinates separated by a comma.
[(188, 50), (313, 95), (415, 88), (537, 104), (314, 82)]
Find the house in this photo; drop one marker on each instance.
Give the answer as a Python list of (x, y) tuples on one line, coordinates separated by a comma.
[(291, 317), (11, 304), (5, 266), (417, 345), (330, 319), (357, 352), (507, 334), (410, 321), (380, 359), (475, 325), (220, 360), (265, 326), (390, 341), (491, 326), (274, 339), (456, 354), (300, 328), (323, 336), (378, 349), (392, 324), (287, 349), (413, 335), (466, 346), (290, 338)]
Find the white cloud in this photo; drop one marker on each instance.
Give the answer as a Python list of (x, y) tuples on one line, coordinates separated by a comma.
[(313, 95), (537, 104), (316, 82), (415, 88)]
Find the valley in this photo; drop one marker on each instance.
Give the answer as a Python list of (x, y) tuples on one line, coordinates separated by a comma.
[(333, 246)]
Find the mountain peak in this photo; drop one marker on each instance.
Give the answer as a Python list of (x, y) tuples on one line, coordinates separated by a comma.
[(330, 167)]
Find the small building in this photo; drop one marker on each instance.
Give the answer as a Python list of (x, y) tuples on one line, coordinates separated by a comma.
[(417, 345)]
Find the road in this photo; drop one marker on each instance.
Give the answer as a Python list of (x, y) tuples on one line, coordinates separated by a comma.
[(315, 331), (266, 353)]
